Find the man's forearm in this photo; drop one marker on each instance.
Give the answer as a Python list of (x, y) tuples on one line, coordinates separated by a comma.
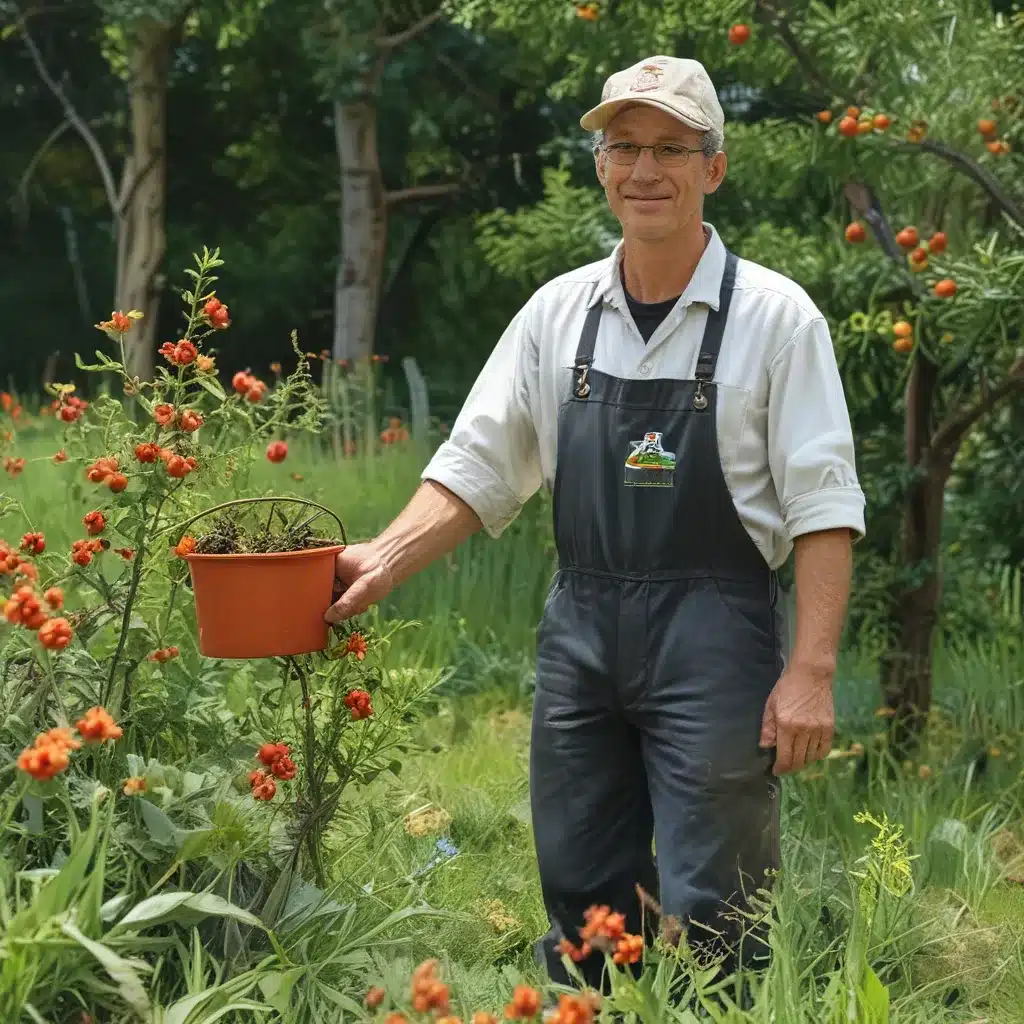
[(433, 523), (824, 568)]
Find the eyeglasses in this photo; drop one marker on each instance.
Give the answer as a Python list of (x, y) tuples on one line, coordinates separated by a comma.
[(668, 154)]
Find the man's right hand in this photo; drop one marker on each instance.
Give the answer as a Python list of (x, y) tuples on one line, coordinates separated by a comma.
[(364, 577)]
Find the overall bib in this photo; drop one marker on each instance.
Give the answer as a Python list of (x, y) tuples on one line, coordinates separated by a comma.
[(657, 650)]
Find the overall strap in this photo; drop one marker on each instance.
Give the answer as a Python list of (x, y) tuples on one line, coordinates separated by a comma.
[(711, 343), (585, 351)]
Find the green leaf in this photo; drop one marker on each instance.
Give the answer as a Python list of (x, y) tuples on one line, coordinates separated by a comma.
[(124, 973), (874, 998), (34, 809), (182, 908), (161, 828), (210, 384), (86, 366)]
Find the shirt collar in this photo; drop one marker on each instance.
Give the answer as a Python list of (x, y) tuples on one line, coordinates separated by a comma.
[(704, 286)]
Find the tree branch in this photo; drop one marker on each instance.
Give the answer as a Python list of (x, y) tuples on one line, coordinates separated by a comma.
[(951, 433), (21, 192), (976, 172), (417, 192), (864, 201), (76, 120), (777, 20), (392, 42)]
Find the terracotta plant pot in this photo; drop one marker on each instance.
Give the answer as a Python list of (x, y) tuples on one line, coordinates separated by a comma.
[(263, 605)]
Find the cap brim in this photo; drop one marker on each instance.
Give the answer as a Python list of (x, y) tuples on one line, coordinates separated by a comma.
[(597, 118)]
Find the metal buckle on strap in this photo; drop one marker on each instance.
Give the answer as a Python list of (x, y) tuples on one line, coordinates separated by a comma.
[(582, 388), (700, 400)]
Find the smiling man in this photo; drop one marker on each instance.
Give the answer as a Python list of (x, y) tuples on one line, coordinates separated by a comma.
[(686, 408)]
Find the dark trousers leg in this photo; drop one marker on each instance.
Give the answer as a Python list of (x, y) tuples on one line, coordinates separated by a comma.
[(715, 802), (591, 810)]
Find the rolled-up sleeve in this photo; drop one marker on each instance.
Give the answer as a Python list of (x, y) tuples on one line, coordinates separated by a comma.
[(491, 459), (810, 439)]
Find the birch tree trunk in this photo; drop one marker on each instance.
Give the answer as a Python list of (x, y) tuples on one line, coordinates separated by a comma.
[(142, 233), (363, 221)]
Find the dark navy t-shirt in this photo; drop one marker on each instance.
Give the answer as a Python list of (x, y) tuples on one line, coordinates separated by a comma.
[(648, 315)]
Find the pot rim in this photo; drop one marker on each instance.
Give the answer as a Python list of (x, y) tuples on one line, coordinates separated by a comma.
[(266, 555)]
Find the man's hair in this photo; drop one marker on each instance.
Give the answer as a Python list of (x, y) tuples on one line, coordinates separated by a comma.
[(711, 142)]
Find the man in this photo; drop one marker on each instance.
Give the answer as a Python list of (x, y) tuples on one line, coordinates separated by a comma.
[(687, 409)]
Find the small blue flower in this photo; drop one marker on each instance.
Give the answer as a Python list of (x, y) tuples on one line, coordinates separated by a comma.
[(447, 847)]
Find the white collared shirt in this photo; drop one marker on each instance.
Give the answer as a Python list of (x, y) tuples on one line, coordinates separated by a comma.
[(784, 435)]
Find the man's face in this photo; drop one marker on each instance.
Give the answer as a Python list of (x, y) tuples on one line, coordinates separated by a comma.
[(653, 202)]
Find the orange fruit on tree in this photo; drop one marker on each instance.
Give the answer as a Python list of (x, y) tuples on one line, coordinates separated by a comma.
[(848, 126), (918, 265), (855, 232), (987, 126), (881, 122), (994, 146), (863, 127), (853, 112), (739, 34), (903, 345), (919, 255), (907, 238), (902, 329), (588, 12), (946, 288), (938, 242), (825, 116)]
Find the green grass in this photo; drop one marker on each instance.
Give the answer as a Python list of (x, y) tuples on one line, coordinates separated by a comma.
[(951, 950)]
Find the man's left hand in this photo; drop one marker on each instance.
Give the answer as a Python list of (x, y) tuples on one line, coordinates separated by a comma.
[(799, 718)]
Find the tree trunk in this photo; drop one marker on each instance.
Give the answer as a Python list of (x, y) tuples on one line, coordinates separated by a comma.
[(363, 219), (906, 671), (142, 233)]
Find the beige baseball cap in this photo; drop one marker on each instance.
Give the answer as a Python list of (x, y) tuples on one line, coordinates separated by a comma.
[(677, 85)]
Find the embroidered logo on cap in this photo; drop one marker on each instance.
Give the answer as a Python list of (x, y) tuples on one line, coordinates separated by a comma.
[(648, 78), (648, 464)]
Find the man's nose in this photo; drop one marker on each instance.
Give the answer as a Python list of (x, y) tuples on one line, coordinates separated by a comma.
[(646, 167)]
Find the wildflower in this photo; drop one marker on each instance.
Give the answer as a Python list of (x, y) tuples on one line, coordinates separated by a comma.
[(119, 323), (374, 998), (602, 922), (270, 752), (190, 420), (284, 768), (96, 726), (428, 991), (242, 381), (181, 354), (480, 1017), (62, 737), (117, 482), (185, 546), (23, 609), (358, 702), (33, 543), (134, 785), (54, 597), (217, 313), (396, 1018), (83, 550), (357, 645), (94, 522), (205, 364), (924, 772), (5, 401), (163, 413), (277, 451), (126, 553), (575, 953), (102, 469), (164, 654), (275, 367), (629, 949), (55, 634), (45, 761), (14, 466), (264, 789), (575, 1009), (256, 391), (526, 1003), (179, 467)]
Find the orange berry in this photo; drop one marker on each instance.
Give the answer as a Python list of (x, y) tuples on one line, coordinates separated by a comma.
[(987, 126), (881, 122), (825, 116), (938, 242), (848, 127), (856, 233), (946, 288), (739, 34), (902, 329)]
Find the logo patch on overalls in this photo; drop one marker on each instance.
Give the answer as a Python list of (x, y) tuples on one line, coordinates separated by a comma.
[(648, 464)]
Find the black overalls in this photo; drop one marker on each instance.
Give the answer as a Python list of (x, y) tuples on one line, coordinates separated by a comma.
[(656, 653)]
